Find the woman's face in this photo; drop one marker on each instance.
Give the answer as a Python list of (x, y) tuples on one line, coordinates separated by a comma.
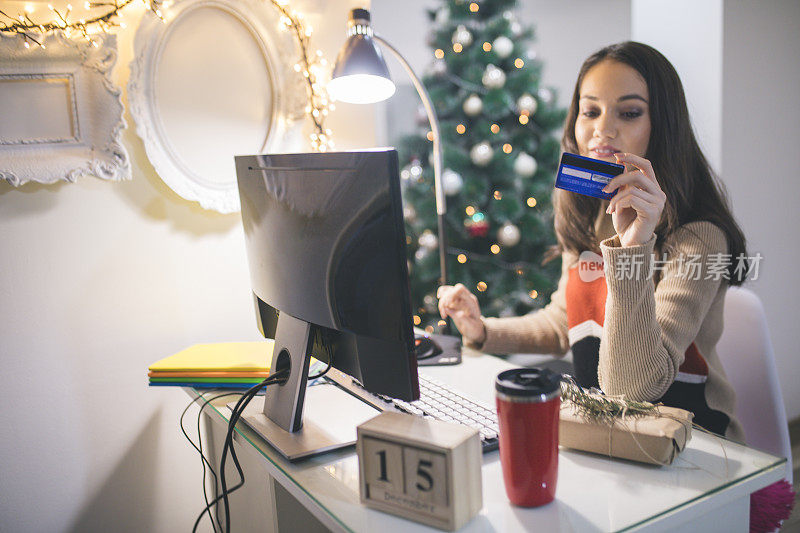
[(613, 112)]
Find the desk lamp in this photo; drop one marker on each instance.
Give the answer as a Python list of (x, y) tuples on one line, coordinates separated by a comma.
[(360, 76)]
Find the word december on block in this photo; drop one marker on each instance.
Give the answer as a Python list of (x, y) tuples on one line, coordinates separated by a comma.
[(424, 470)]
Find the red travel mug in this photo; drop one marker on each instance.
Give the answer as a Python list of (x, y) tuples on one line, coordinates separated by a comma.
[(528, 402)]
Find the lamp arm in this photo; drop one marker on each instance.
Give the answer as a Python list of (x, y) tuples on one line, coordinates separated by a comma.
[(441, 205)]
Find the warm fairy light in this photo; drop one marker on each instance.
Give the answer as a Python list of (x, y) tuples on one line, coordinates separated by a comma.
[(519, 63), (487, 46), (470, 210), (457, 48), (429, 136), (498, 195), (507, 148), (495, 128), (461, 258), (520, 272), (533, 294), (417, 320), (408, 239), (495, 249), (523, 119), (531, 202), (461, 129), (30, 9), (442, 323), (429, 329), (439, 53), (482, 286), (474, 7)]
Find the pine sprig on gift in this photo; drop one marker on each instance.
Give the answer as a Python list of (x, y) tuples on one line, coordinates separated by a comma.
[(597, 407)]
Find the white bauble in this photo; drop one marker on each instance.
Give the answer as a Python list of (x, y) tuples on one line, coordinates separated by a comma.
[(503, 46), (462, 36), (430, 302), (493, 77), (473, 105), (508, 235), (481, 154), (409, 213), (415, 171), (515, 28), (525, 165), (439, 67), (509, 15), (428, 240), (527, 104), (545, 95), (452, 182), (532, 54), (421, 254)]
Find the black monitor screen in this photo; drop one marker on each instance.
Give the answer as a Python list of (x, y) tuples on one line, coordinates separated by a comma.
[(326, 244)]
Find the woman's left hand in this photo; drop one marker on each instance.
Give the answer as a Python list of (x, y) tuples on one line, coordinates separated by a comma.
[(637, 206)]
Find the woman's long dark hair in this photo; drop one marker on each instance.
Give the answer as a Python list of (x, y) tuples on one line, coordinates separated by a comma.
[(693, 191)]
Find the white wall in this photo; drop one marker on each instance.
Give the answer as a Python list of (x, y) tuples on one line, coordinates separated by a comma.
[(99, 280), (760, 161)]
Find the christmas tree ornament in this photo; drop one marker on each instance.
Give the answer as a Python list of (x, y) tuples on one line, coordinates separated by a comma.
[(515, 28), (428, 240), (526, 104), (473, 105), (421, 254), (438, 67), (509, 235), (546, 95), (503, 46), (430, 302), (476, 229), (525, 165), (452, 182), (409, 213), (509, 16), (462, 36), (415, 171), (481, 154), (493, 77)]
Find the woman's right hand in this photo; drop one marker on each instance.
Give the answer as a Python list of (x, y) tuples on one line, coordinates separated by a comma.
[(460, 304)]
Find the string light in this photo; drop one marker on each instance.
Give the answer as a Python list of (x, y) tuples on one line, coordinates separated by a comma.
[(460, 129), (533, 294), (487, 46), (442, 323), (439, 53), (429, 136), (457, 48), (495, 249), (531, 202), (507, 148), (470, 210), (311, 66), (523, 119), (461, 258), (474, 7), (519, 63), (498, 195), (495, 128), (417, 320), (429, 329), (482, 286)]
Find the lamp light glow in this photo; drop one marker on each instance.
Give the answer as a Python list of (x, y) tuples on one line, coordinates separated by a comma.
[(361, 88)]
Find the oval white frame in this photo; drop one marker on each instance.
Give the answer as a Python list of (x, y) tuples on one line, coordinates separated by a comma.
[(288, 105)]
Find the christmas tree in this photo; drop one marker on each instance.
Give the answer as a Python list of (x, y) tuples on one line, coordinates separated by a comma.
[(500, 155)]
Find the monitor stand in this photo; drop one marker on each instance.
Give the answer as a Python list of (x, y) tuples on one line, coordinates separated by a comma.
[(332, 416)]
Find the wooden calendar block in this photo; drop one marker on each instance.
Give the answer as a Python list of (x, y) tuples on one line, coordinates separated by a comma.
[(424, 470)]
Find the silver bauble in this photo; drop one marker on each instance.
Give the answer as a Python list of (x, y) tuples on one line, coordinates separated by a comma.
[(462, 36), (503, 46), (428, 240), (525, 165), (493, 77), (452, 182), (508, 235), (481, 154), (527, 104), (473, 105)]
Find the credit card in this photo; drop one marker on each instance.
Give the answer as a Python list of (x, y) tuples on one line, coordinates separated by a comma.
[(585, 175)]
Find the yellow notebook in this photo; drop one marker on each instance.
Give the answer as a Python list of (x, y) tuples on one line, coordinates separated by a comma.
[(219, 357)]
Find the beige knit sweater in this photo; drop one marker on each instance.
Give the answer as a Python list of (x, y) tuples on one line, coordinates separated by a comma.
[(647, 337)]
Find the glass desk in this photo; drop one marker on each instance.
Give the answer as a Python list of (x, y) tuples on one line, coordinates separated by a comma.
[(706, 488)]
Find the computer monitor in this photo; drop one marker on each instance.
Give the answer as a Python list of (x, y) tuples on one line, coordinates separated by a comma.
[(326, 248)]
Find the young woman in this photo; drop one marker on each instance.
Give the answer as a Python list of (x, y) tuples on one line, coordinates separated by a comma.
[(643, 316)]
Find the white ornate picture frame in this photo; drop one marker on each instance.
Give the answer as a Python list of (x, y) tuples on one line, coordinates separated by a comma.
[(215, 79), (61, 112)]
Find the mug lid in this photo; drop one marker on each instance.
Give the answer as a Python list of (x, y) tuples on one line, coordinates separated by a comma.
[(527, 382)]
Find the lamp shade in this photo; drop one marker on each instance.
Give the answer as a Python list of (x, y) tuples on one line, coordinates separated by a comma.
[(360, 75)]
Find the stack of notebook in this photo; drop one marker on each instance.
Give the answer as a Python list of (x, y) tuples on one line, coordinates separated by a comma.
[(231, 365)]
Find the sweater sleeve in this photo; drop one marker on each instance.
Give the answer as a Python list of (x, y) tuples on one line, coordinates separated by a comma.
[(647, 330), (542, 331)]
